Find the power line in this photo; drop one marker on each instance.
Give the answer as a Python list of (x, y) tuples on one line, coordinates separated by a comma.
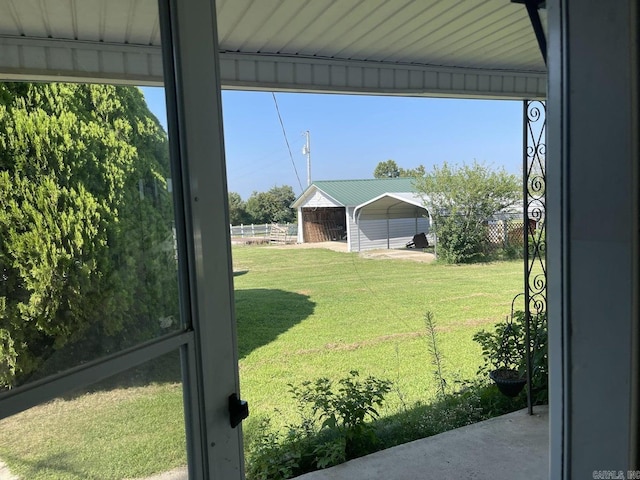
[(287, 141)]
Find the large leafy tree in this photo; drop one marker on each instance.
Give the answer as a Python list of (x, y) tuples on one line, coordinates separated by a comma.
[(460, 200), (273, 205), (390, 169), (237, 210), (87, 263)]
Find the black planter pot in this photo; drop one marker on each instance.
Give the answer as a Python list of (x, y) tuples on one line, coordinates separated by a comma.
[(508, 381)]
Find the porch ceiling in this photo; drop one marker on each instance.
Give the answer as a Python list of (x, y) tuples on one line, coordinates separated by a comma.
[(432, 47)]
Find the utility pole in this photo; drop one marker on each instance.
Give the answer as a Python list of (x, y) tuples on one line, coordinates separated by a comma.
[(306, 150)]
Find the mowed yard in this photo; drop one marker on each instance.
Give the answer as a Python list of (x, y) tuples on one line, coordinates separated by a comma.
[(307, 313), (302, 314)]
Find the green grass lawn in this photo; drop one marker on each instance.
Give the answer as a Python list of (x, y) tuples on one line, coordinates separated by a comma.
[(302, 314), (112, 434), (306, 313)]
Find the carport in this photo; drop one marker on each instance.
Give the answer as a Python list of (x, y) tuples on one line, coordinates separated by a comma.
[(389, 221)]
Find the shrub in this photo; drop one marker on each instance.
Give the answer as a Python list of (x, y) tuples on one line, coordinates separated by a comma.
[(333, 428), (472, 402), (505, 348), (460, 198), (346, 409)]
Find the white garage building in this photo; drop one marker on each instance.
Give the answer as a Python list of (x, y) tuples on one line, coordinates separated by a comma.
[(368, 214)]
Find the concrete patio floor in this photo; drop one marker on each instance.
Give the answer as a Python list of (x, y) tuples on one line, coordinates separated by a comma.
[(515, 445), (511, 446)]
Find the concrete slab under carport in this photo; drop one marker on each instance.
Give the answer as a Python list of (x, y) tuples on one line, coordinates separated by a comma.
[(511, 446)]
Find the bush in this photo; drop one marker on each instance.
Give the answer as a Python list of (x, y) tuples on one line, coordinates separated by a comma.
[(505, 348), (333, 428), (460, 199), (473, 402), (460, 241)]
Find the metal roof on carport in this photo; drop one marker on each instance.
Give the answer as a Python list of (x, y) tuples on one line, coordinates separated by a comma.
[(452, 48), (391, 205)]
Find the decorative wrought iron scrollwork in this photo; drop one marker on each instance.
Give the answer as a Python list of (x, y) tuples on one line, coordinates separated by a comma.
[(534, 193)]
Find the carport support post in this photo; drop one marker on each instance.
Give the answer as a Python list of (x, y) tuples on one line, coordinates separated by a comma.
[(388, 235)]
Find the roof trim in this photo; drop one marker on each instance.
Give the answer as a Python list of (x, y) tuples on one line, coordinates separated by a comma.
[(47, 59), (411, 201), (317, 74)]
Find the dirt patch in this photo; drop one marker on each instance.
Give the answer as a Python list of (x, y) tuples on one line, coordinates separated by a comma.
[(337, 246), (5, 474), (179, 473), (401, 254), (357, 345), (415, 255), (470, 322)]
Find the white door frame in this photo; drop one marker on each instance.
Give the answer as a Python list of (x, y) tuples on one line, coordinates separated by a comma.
[(194, 104), (593, 221)]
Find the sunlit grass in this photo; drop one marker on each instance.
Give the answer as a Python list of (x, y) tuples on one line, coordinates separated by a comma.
[(301, 314), (359, 313), (113, 434)]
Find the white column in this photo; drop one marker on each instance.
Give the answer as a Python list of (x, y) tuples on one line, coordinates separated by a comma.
[(592, 204)]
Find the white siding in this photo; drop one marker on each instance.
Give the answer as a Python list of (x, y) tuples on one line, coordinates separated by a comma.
[(318, 199), (352, 231), (372, 234)]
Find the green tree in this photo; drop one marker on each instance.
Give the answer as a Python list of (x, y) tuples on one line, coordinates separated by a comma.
[(237, 209), (390, 169), (87, 263), (460, 199), (272, 206)]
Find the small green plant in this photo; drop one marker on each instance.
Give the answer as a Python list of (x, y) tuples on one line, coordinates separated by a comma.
[(475, 401), (434, 352), (345, 409), (334, 427), (505, 349), (269, 460), (539, 358)]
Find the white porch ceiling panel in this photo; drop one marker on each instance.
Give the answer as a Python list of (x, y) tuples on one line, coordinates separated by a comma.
[(469, 48)]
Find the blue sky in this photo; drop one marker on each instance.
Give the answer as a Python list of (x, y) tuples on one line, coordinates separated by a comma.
[(350, 134)]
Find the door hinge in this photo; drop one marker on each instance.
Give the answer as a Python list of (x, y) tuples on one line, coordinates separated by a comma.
[(238, 410)]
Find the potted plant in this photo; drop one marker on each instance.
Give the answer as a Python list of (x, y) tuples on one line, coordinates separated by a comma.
[(509, 381), (505, 355)]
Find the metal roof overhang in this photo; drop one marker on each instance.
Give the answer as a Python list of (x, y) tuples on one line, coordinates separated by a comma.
[(391, 205), (464, 49)]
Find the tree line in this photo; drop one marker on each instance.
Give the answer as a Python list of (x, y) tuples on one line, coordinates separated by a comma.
[(272, 206)]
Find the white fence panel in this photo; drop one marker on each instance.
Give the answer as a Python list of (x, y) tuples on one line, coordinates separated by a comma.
[(288, 231)]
